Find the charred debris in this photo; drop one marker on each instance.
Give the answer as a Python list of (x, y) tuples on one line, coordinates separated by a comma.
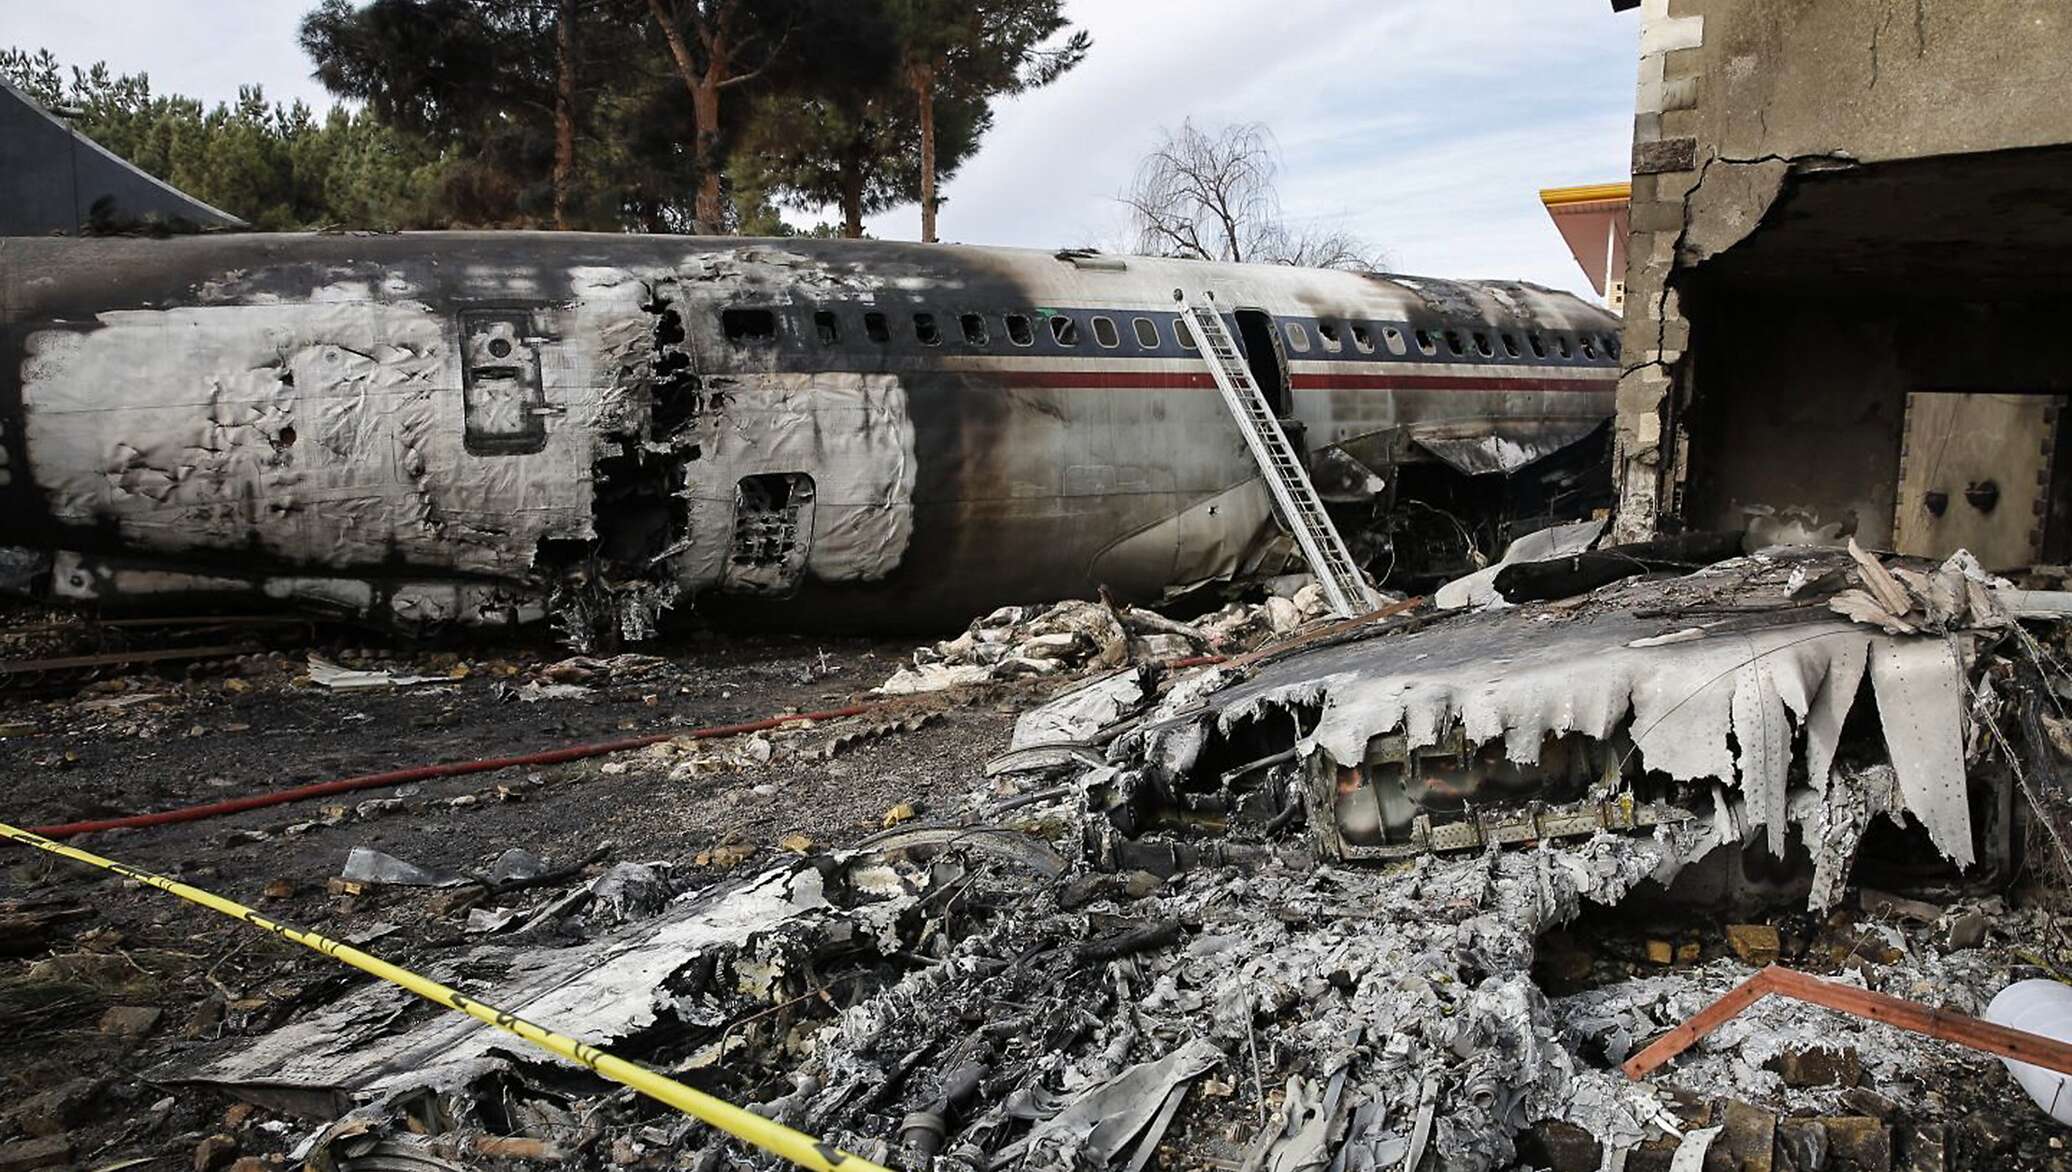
[(1261, 890)]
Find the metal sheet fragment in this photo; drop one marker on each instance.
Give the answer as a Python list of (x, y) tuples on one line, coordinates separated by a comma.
[(1920, 693)]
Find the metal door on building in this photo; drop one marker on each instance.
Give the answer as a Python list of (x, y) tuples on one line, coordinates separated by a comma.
[(1975, 473)]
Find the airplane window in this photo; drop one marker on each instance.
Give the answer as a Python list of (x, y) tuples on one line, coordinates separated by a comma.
[(1611, 345), (748, 325), (874, 325), (1482, 345), (1538, 344), (1589, 347), (1510, 345), (1018, 330), (1147, 334), (827, 326), (1104, 333), (1561, 344), (1426, 344), (1182, 335), (1063, 330), (1328, 331), (1363, 340), (1298, 338), (926, 330), (974, 327), (1394, 337), (1454, 343)]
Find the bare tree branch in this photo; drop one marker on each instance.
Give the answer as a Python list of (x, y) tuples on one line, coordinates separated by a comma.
[(1216, 197)]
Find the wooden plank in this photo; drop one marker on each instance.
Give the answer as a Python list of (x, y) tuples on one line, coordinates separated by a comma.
[(1912, 1016), (1963, 1029), (1701, 1023)]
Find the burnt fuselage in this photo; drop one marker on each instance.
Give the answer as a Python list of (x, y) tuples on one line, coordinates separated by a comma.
[(455, 426)]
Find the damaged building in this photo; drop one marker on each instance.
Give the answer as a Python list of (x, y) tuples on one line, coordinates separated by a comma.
[(1845, 270)]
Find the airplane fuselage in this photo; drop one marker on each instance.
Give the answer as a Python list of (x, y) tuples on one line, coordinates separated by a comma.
[(439, 427)]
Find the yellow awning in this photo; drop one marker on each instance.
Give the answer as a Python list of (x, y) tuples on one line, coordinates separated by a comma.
[(1556, 197)]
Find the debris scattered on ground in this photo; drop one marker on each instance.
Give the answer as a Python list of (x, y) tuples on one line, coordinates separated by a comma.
[(1021, 641), (1402, 892), (326, 674)]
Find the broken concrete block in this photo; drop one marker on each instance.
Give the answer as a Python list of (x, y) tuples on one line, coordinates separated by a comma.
[(1755, 944), (1858, 1143), (1563, 1147), (1884, 903), (1865, 1101), (57, 1110), (130, 1021), (1967, 931), (1818, 1066), (214, 1152), (1691, 1109), (1986, 1134), (1748, 1137), (1803, 1144), (48, 1151), (1923, 1147), (1661, 952)]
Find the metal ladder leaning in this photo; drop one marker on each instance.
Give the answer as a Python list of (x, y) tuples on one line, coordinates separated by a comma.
[(1343, 584)]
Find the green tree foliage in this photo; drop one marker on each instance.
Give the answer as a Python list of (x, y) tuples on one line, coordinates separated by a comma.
[(550, 112), (275, 167), (969, 52), (887, 98), (631, 115)]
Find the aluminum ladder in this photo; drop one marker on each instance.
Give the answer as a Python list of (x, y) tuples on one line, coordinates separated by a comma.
[(1329, 559)]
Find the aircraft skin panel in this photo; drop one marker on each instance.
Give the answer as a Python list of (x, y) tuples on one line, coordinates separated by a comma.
[(907, 432)]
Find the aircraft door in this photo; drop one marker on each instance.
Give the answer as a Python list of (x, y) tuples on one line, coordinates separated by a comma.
[(1261, 342), (504, 404), (773, 530)]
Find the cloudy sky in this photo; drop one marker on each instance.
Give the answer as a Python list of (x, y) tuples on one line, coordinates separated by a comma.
[(1425, 126)]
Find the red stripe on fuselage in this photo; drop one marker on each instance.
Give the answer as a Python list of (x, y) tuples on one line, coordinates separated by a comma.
[(1155, 380)]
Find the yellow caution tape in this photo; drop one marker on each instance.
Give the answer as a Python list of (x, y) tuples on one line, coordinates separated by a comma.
[(772, 1137)]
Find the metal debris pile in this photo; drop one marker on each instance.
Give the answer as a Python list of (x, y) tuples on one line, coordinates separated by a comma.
[(1016, 642), (1396, 894)]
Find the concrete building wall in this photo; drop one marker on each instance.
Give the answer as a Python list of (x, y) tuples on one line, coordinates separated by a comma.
[(1811, 176)]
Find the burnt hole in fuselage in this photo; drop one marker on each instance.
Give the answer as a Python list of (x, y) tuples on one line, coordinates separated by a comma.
[(766, 517), (640, 507), (677, 397)]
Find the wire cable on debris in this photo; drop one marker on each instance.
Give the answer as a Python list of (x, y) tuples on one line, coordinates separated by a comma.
[(744, 1125)]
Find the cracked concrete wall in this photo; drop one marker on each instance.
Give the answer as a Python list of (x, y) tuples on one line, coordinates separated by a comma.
[(1734, 96)]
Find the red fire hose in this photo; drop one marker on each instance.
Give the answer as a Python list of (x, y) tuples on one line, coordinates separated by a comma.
[(425, 772)]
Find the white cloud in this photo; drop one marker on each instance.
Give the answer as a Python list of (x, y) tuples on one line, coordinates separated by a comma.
[(1427, 126), (202, 48)]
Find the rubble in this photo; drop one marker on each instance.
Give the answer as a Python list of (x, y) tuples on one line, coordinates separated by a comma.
[(326, 674), (1022, 641), (1163, 922)]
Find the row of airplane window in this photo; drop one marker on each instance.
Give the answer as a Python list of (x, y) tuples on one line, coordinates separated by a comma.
[(749, 326)]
